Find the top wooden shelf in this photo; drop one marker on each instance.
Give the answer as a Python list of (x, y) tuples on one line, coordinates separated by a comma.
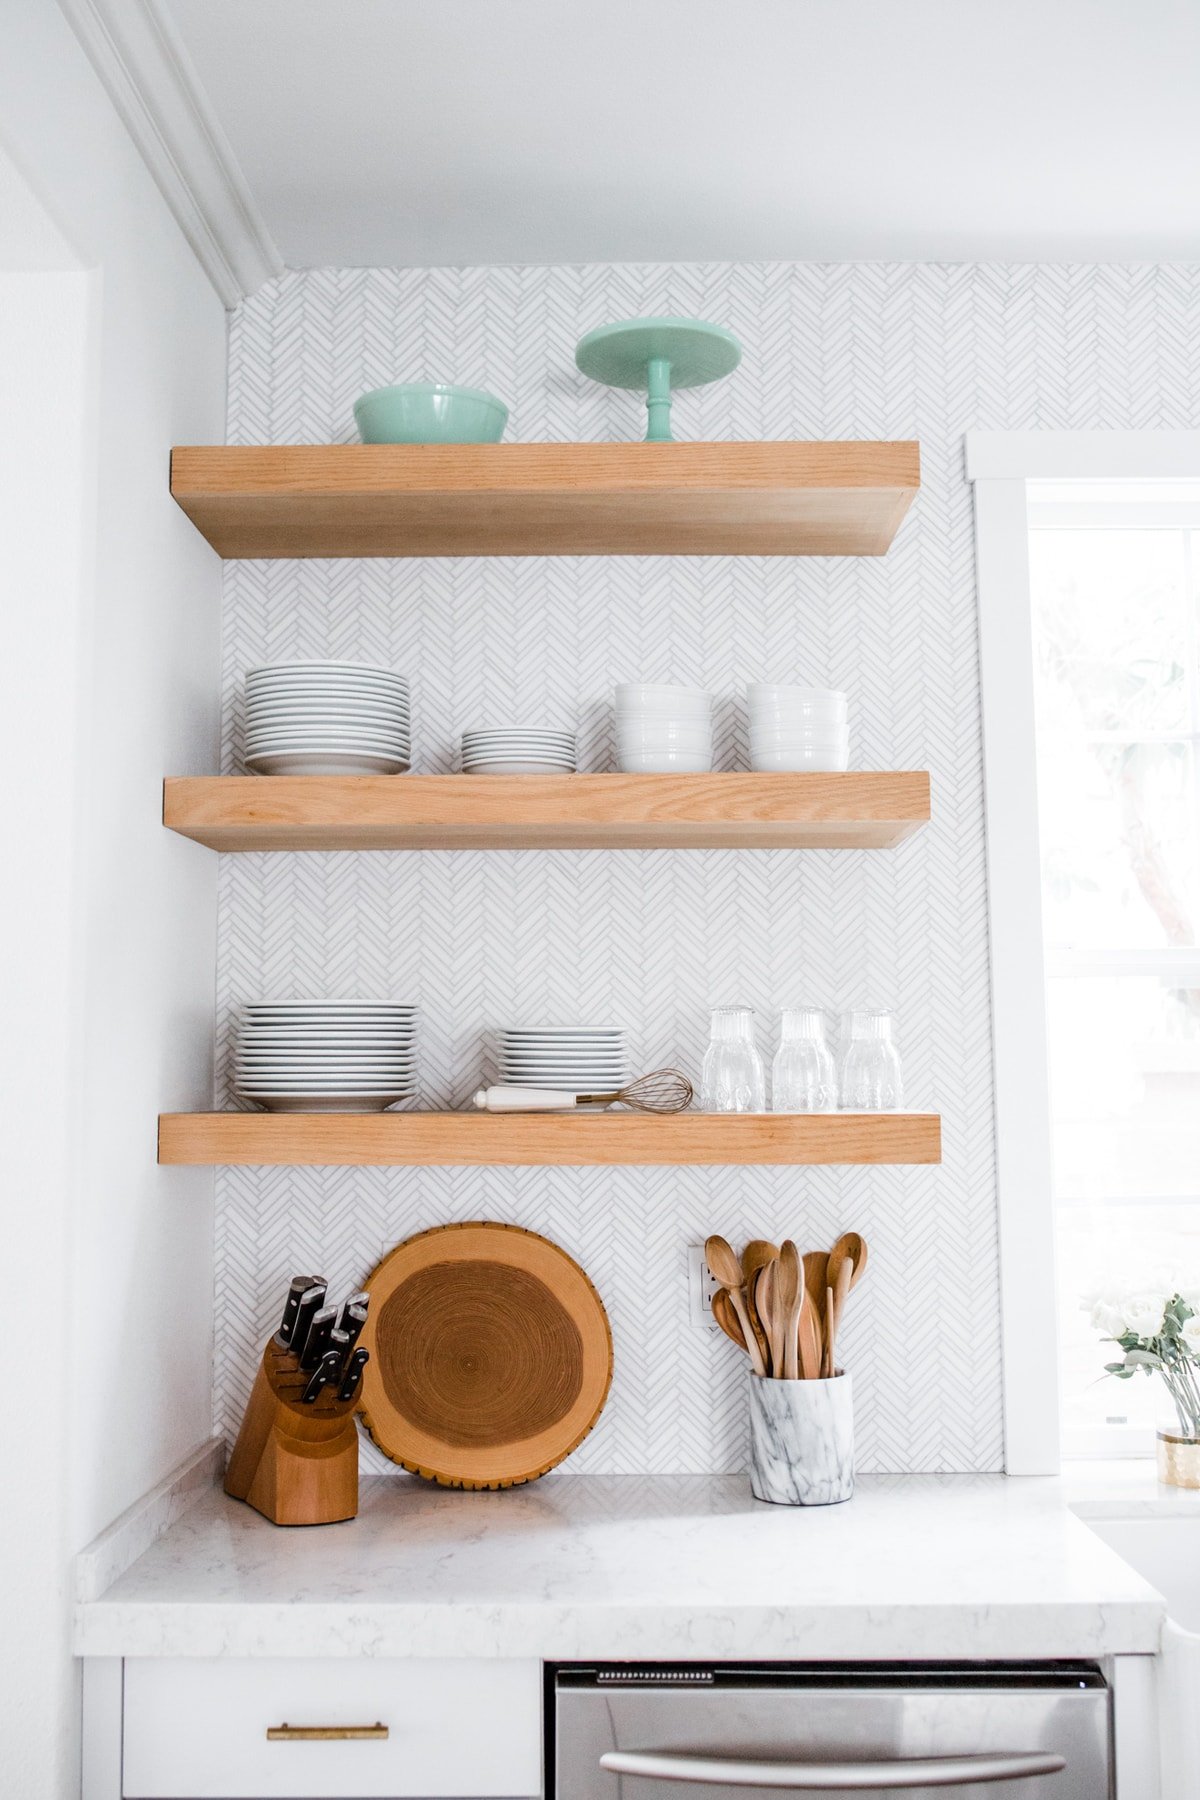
[(726, 499)]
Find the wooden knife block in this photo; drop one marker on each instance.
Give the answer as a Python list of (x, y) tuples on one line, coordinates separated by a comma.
[(295, 1464)]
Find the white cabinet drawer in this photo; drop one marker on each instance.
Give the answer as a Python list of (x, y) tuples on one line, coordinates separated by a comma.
[(198, 1728)]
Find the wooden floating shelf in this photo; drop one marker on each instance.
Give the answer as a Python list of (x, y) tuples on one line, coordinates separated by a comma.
[(630, 499), (547, 812), (378, 1139)]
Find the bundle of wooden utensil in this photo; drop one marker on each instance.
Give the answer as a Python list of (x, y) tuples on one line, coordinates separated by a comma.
[(784, 1309)]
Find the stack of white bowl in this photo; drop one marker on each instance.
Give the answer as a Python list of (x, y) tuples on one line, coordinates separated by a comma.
[(327, 1056), (663, 730), (576, 1059), (327, 718), (797, 727), (518, 751)]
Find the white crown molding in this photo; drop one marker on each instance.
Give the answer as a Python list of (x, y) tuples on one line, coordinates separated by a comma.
[(137, 53)]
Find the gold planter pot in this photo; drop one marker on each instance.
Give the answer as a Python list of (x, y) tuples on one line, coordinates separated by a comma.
[(1178, 1460)]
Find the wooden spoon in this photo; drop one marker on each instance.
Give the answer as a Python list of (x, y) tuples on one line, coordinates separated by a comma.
[(789, 1292), (809, 1336), (757, 1252), (726, 1317), (816, 1280), (719, 1256), (766, 1305), (847, 1261)]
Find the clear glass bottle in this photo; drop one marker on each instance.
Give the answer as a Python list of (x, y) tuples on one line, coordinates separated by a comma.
[(870, 1079), (802, 1075), (732, 1079)]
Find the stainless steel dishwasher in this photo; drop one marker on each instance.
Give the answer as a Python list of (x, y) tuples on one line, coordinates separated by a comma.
[(634, 1732)]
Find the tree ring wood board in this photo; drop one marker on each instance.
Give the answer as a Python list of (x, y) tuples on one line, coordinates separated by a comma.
[(490, 1355)]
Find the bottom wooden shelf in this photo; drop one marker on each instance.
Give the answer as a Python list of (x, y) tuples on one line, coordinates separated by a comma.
[(375, 1139)]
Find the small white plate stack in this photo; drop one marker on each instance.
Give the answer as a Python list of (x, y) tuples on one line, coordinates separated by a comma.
[(797, 728), (663, 730), (326, 1056), (327, 718), (576, 1059), (518, 751)]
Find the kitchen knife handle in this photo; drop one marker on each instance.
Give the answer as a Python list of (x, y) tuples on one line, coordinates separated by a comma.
[(291, 1307), (316, 1343), (353, 1373), (354, 1317), (325, 1372)]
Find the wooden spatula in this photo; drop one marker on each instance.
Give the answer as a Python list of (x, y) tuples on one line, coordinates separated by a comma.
[(789, 1295), (766, 1305), (809, 1339), (726, 1317), (816, 1280), (720, 1257)]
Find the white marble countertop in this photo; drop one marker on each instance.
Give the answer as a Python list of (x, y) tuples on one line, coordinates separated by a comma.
[(624, 1567)]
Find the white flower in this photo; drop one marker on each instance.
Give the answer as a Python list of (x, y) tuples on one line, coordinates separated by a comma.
[(1108, 1318), (1190, 1333), (1144, 1314)]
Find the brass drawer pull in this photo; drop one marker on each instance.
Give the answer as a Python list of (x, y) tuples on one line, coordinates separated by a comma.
[(324, 1734)]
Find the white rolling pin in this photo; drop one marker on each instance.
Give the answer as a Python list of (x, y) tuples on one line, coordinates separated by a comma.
[(524, 1099)]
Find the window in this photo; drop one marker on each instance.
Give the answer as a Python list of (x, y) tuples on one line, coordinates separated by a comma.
[(1114, 572)]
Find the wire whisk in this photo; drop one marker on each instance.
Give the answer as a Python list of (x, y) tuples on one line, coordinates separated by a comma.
[(662, 1091)]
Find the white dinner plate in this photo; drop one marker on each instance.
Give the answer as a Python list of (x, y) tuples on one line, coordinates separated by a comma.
[(330, 1005), (315, 743), (300, 745), (562, 1030), (334, 672), (327, 1103), (318, 1044), (324, 762), (518, 741), (535, 1071), (512, 767), (329, 713)]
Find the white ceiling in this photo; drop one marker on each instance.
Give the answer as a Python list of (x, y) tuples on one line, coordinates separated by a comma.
[(425, 132)]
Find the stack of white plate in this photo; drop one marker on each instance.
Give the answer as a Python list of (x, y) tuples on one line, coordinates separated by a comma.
[(330, 1056), (327, 718), (797, 727), (518, 751), (578, 1059), (663, 730)]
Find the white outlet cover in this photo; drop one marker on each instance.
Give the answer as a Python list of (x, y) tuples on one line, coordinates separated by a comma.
[(702, 1285)]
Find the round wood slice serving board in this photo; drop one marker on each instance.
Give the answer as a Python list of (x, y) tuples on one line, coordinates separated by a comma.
[(491, 1356)]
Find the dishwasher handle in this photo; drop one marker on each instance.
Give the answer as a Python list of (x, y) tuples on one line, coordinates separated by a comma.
[(902, 1772)]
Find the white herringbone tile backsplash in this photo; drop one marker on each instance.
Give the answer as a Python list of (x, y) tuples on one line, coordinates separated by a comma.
[(651, 940)]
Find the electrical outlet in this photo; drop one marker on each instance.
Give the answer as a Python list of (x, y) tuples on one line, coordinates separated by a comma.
[(702, 1285)]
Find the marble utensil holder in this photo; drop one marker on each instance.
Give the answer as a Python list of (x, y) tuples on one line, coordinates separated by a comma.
[(802, 1441)]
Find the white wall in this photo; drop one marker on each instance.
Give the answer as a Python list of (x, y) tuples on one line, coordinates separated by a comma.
[(108, 681)]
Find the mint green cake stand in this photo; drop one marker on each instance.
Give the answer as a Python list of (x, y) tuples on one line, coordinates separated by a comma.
[(658, 355)]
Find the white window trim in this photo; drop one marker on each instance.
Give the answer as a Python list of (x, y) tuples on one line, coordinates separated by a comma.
[(1000, 464)]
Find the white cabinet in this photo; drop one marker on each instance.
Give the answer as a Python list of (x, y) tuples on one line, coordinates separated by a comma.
[(197, 1729)]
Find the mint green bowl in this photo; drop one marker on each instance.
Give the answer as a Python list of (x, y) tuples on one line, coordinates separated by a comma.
[(429, 412)]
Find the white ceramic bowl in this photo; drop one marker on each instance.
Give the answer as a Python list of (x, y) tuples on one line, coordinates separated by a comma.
[(648, 693), (664, 762), (663, 731), (769, 693), (798, 740), (779, 761)]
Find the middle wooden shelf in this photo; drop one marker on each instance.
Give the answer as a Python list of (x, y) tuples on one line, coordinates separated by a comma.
[(572, 1140), (853, 810)]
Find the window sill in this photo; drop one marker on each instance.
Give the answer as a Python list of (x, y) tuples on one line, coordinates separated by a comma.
[(1127, 1488)]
